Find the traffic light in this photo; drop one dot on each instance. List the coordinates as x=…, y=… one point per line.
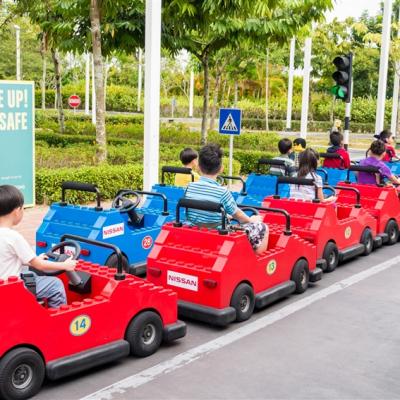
x=343, y=77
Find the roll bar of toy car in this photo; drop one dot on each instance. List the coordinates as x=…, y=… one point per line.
x=119, y=276
x=332, y=156
x=287, y=230
x=174, y=170
x=325, y=173
x=236, y=178
x=354, y=190
x=271, y=162
x=331, y=188
x=81, y=187
x=295, y=181
x=361, y=168
x=163, y=196
x=203, y=206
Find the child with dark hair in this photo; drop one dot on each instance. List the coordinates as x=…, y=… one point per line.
x=15, y=252
x=376, y=153
x=188, y=158
x=208, y=189
x=308, y=164
x=285, y=148
x=336, y=139
x=299, y=145
x=387, y=138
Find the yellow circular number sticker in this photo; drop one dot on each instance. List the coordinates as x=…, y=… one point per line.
x=347, y=232
x=271, y=267
x=80, y=325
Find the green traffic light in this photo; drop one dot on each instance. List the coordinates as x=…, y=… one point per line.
x=339, y=91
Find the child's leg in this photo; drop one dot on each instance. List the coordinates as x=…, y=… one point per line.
x=257, y=234
x=51, y=289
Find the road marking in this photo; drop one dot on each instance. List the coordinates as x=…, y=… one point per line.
x=187, y=357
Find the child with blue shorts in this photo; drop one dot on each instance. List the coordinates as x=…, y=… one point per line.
x=15, y=252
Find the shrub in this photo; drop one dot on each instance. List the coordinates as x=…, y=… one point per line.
x=108, y=178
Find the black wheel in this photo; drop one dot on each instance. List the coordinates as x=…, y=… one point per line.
x=331, y=255
x=392, y=230
x=300, y=276
x=21, y=374
x=368, y=241
x=112, y=262
x=243, y=302
x=144, y=334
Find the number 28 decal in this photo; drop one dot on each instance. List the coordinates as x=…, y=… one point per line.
x=80, y=325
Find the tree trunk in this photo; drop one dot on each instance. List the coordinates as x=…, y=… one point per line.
x=205, y=99
x=43, y=83
x=267, y=92
x=44, y=70
x=59, y=102
x=235, y=93
x=215, y=99
x=101, y=139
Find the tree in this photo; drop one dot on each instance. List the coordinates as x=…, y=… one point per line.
x=84, y=25
x=205, y=27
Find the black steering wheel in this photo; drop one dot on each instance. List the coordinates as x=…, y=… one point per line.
x=123, y=204
x=60, y=257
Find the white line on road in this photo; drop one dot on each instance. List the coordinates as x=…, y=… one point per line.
x=198, y=352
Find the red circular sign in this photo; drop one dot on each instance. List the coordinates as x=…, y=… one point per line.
x=74, y=101
x=147, y=242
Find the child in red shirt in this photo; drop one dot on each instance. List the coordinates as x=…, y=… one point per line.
x=387, y=137
x=336, y=139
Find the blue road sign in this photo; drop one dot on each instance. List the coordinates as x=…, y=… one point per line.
x=230, y=121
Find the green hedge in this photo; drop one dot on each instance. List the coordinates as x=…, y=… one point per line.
x=108, y=178
x=313, y=126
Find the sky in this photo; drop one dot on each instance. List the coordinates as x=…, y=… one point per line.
x=353, y=8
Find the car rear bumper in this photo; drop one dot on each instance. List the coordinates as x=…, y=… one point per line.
x=210, y=315
x=315, y=275
x=174, y=331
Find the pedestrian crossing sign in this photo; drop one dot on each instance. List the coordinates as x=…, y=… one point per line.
x=230, y=120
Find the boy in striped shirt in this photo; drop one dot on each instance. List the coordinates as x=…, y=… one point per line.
x=208, y=189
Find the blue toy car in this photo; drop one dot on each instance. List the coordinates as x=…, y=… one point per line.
x=259, y=186
x=173, y=193
x=333, y=176
x=124, y=225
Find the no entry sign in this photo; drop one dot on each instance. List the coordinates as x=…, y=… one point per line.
x=74, y=101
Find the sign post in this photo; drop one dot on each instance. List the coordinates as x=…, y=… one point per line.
x=17, y=137
x=230, y=122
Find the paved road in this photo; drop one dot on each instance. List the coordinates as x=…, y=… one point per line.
x=339, y=340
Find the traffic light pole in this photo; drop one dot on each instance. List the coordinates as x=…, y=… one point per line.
x=346, y=133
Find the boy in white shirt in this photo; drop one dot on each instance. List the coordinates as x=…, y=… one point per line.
x=15, y=251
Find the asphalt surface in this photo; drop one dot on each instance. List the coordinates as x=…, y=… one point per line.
x=339, y=340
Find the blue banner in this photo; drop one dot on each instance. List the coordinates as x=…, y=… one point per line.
x=17, y=137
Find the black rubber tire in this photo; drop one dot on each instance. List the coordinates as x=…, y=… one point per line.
x=301, y=276
x=112, y=262
x=368, y=241
x=137, y=334
x=331, y=255
x=392, y=230
x=243, y=302
x=22, y=372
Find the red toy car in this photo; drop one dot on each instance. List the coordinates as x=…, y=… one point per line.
x=339, y=231
x=380, y=201
x=217, y=275
x=108, y=316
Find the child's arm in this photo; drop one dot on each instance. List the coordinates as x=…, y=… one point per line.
x=244, y=218
x=394, y=179
x=42, y=265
